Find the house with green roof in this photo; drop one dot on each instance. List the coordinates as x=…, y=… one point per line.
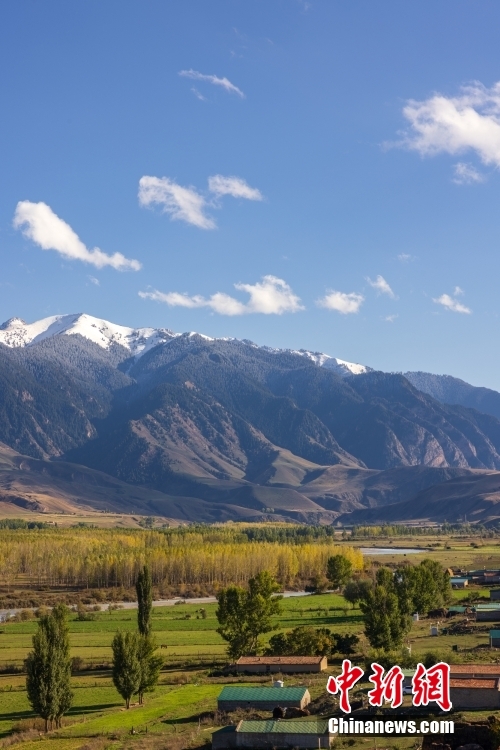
x=281, y=733
x=233, y=697
x=488, y=612
x=494, y=638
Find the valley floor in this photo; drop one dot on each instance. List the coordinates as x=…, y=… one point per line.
x=181, y=713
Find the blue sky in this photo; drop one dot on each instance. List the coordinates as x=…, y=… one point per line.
x=362, y=141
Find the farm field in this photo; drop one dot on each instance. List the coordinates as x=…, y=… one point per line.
x=186, y=690
x=180, y=713
x=187, y=638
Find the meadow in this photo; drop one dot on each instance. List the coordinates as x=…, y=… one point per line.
x=180, y=713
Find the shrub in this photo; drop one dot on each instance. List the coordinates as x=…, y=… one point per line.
x=77, y=664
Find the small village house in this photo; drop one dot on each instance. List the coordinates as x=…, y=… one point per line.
x=457, y=609
x=303, y=733
x=484, y=576
x=233, y=697
x=285, y=664
x=467, y=693
x=474, y=671
x=490, y=577
x=488, y=612
x=495, y=638
x=459, y=583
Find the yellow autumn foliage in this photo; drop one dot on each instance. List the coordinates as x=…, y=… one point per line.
x=112, y=557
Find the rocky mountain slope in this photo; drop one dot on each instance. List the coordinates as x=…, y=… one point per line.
x=225, y=422
x=474, y=498
x=451, y=390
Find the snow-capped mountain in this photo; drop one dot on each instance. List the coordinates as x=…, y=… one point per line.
x=226, y=425
x=340, y=366
x=16, y=332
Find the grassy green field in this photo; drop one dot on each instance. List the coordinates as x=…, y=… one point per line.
x=179, y=714
x=188, y=637
x=173, y=709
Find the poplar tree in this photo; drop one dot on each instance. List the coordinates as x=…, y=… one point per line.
x=150, y=664
x=126, y=665
x=48, y=668
x=385, y=624
x=144, y=588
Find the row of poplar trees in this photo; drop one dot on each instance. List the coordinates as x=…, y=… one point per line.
x=136, y=665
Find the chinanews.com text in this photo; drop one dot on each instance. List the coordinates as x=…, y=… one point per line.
x=393, y=726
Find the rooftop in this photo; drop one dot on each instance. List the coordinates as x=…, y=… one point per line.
x=487, y=606
x=489, y=684
x=494, y=571
x=237, y=693
x=280, y=659
x=493, y=669
x=284, y=726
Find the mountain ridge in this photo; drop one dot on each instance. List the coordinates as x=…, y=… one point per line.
x=235, y=428
x=16, y=332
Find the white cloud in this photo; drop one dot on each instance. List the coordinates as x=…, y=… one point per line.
x=381, y=285
x=450, y=303
x=225, y=83
x=198, y=94
x=235, y=186
x=341, y=302
x=391, y=318
x=466, y=174
x=95, y=281
x=406, y=257
x=40, y=224
x=453, y=125
x=271, y=296
x=184, y=204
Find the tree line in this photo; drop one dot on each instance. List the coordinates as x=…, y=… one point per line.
x=444, y=529
x=105, y=558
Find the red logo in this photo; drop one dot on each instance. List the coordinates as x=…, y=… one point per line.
x=432, y=684
x=388, y=688
x=428, y=685
x=343, y=683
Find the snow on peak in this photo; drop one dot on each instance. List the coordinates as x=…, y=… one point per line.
x=12, y=323
x=340, y=366
x=15, y=332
